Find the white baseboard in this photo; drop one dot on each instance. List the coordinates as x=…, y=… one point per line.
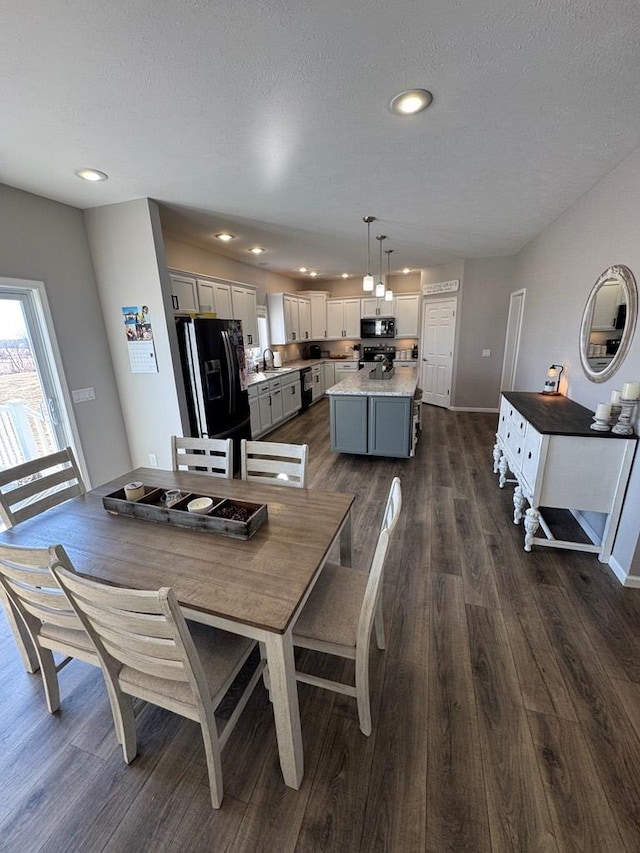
x=631, y=581
x=472, y=409
x=621, y=574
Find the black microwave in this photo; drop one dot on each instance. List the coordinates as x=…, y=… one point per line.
x=378, y=327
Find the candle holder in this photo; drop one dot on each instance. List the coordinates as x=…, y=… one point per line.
x=616, y=408
x=625, y=418
x=600, y=424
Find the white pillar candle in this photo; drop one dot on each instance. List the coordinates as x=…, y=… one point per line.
x=615, y=398
x=603, y=411
x=631, y=390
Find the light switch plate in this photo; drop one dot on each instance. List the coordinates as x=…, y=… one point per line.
x=486, y=353
x=81, y=395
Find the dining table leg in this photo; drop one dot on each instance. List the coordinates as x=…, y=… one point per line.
x=286, y=711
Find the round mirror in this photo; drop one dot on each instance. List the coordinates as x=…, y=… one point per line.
x=608, y=323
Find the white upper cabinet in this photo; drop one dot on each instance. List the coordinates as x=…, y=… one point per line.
x=243, y=303
x=318, y=304
x=343, y=318
x=407, y=314
x=222, y=301
x=304, y=319
x=284, y=318
x=184, y=293
x=372, y=306
x=206, y=296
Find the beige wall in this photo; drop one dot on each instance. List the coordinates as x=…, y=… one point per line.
x=558, y=269
x=42, y=240
x=183, y=256
x=128, y=256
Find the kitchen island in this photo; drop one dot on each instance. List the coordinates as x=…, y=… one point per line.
x=373, y=416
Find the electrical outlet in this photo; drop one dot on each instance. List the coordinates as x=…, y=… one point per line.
x=153, y=460
x=486, y=353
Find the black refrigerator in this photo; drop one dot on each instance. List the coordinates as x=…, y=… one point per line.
x=213, y=367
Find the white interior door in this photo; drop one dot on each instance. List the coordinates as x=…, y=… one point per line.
x=438, y=341
x=512, y=341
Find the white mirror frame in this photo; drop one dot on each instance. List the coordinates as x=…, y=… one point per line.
x=625, y=277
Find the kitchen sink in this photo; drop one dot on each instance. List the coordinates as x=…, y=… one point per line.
x=277, y=371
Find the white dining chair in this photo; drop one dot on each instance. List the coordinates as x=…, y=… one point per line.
x=340, y=613
x=32, y=487
x=45, y=613
x=211, y=455
x=273, y=463
x=148, y=651
x=26, y=490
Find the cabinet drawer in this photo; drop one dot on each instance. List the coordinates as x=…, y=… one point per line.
x=531, y=456
x=519, y=423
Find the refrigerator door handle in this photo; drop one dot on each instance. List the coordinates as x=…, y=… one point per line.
x=230, y=371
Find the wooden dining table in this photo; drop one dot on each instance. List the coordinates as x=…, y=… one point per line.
x=254, y=587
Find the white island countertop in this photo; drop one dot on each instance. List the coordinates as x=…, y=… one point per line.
x=402, y=384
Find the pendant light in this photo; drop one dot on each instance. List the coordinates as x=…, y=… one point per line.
x=367, y=281
x=380, y=284
x=388, y=294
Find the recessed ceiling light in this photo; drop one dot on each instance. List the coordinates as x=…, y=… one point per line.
x=406, y=270
x=313, y=273
x=225, y=237
x=345, y=275
x=411, y=102
x=256, y=250
x=303, y=269
x=91, y=175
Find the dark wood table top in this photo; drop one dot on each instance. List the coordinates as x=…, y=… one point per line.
x=260, y=581
x=555, y=414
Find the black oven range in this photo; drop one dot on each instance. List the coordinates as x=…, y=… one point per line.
x=369, y=355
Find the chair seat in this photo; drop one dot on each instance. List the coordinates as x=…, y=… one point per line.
x=332, y=610
x=221, y=655
x=74, y=641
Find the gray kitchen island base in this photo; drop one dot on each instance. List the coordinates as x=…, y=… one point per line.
x=373, y=418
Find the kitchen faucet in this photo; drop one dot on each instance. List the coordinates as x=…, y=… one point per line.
x=264, y=357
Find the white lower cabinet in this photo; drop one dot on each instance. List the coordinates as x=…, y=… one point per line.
x=317, y=389
x=274, y=401
x=291, y=395
x=264, y=405
x=254, y=410
x=329, y=374
x=557, y=461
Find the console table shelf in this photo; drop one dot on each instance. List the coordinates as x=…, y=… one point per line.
x=558, y=461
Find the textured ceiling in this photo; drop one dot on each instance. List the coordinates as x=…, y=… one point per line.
x=270, y=119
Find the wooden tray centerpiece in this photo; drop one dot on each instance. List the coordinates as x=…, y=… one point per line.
x=235, y=518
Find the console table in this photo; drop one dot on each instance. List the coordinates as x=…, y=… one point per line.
x=558, y=461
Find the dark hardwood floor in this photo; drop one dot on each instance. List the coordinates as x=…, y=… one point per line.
x=506, y=708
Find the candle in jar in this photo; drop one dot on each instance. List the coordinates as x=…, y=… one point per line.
x=615, y=398
x=631, y=390
x=603, y=411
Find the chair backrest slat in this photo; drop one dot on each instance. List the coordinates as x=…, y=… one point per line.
x=32, y=589
x=36, y=486
x=211, y=455
x=112, y=618
x=274, y=463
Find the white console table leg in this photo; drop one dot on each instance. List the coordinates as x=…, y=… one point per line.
x=503, y=467
x=531, y=524
x=519, y=503
x=497, y=453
